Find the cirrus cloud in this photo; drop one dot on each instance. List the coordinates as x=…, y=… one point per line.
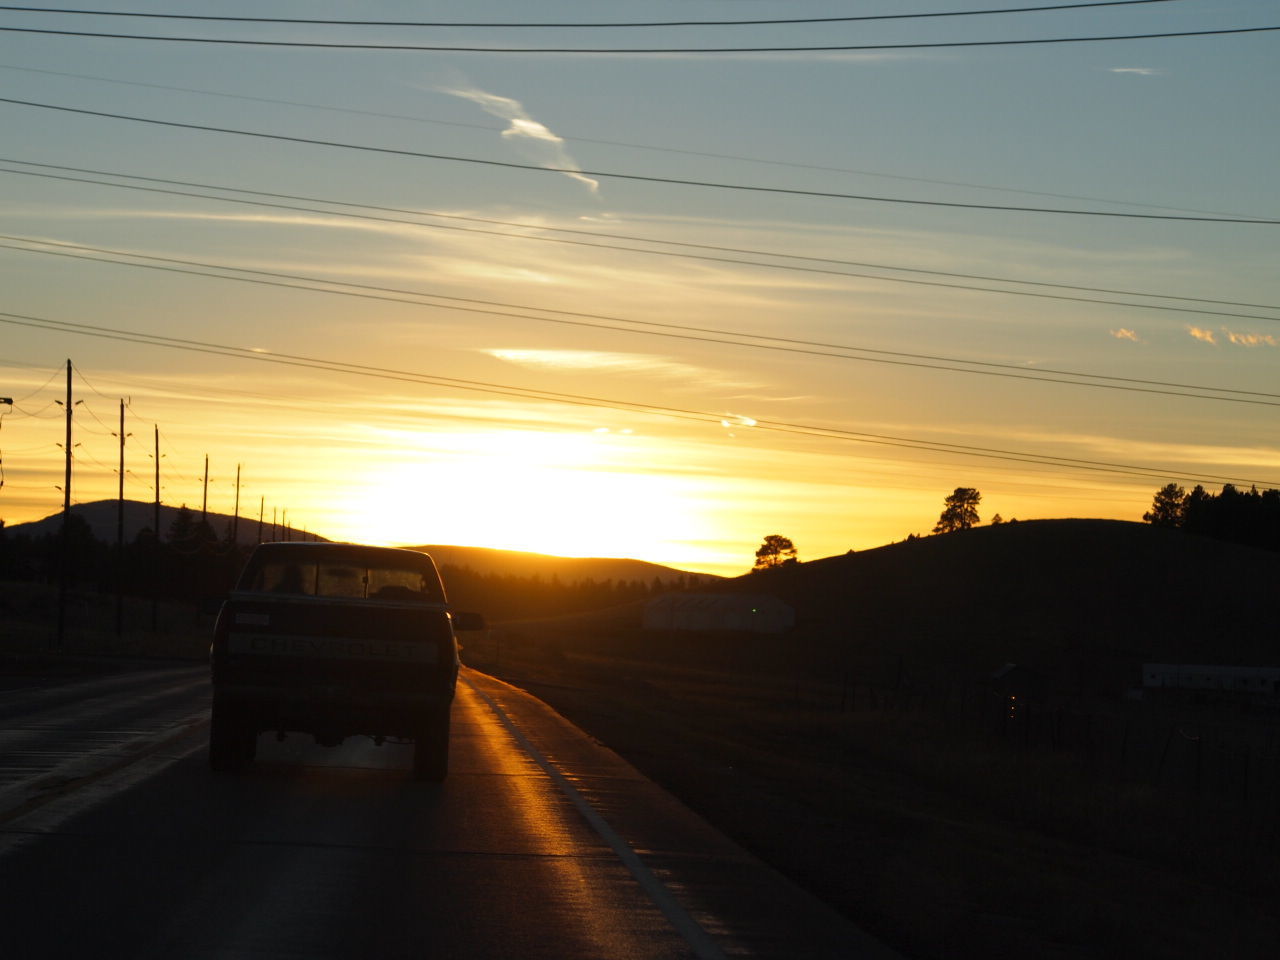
x=1235, y=337
x=1252, y=339
x=612, y=362
x=532, y=138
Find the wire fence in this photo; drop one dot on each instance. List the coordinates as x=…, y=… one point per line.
x=1211, y=759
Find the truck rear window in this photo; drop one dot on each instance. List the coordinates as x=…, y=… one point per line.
x=316, y=578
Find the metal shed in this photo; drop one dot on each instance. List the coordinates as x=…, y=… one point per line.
x=751, y=612
x=1202, y=676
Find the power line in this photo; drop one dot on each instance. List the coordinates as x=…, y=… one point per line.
x=638, y=51
x=641, y=178
x=671, y=331
x=197, y=346
x=39, y=447
x=614, y=143
x=385, y=373
x=617, y=236
x=572, y=25
x=57, y=372
x=38, y=415
x=85, y=381
x=106, y=431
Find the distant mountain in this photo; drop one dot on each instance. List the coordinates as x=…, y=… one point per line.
x=486, y=560
x=101, y=516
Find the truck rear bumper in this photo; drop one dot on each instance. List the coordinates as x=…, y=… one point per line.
x=330, y=713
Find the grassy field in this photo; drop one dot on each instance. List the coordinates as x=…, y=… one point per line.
x=29, y=615
x=920, y=824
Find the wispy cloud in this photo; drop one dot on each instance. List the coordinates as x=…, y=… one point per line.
x=1140, y=71
x=615, y=363
x=597, y=360
x=1124, y=333
x=1252, y=339
x=1235, y=337
x=532, y=138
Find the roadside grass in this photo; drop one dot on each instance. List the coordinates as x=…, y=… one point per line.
x=923, y=828
x=29, y=617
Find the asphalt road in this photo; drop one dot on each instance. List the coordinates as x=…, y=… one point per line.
x=116, y=841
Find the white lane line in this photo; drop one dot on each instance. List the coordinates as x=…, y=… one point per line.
x=702, y=943
x=48, y=813
x=72, y=772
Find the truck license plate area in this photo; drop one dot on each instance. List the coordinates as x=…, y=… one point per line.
x=331, y=648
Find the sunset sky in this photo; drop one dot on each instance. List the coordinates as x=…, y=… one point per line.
x=402, y=348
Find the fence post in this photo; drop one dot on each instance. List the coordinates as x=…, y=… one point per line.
x=1199, y=741
x=1124, y=749
x=1164, y=753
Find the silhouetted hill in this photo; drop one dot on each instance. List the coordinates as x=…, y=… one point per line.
x=101, y=517
x=513, y=563
x=1082, y=600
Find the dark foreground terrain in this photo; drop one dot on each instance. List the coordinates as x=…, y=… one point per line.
x=867, y=756
x=930, y=830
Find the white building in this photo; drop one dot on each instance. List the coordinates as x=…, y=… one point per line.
x=1197, y=676
x=751, y=612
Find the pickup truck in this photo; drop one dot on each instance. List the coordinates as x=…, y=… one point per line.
x=335, y=640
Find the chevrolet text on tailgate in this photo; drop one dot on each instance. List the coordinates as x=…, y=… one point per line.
x=335, y=640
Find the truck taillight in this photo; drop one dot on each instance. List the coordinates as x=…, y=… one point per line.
x=218, y=649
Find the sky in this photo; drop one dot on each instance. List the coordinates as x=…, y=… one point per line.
x=651, y=305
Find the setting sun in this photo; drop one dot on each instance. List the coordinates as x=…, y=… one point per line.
x=574, y=494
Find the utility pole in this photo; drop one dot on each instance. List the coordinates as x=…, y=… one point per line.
x=155, y=554
x=262, y=505
x=204, y=501
x=235, y=517
x=65, y=551
x=156, y=518
x=120, y=533
x=4, y=401
x=273, y=525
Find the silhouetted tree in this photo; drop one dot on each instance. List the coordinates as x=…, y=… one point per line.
x=204, y=534
x=1169, y=506
x=75, y=546
x=183, y=526
x=774, y=552
x=960, y=511
x=1251, y=518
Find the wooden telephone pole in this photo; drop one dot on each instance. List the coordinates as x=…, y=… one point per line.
x=235, y=517
x=204, y=500
x=4, y=401
x=120, y=533
x=155, y=562
x=64, y=552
